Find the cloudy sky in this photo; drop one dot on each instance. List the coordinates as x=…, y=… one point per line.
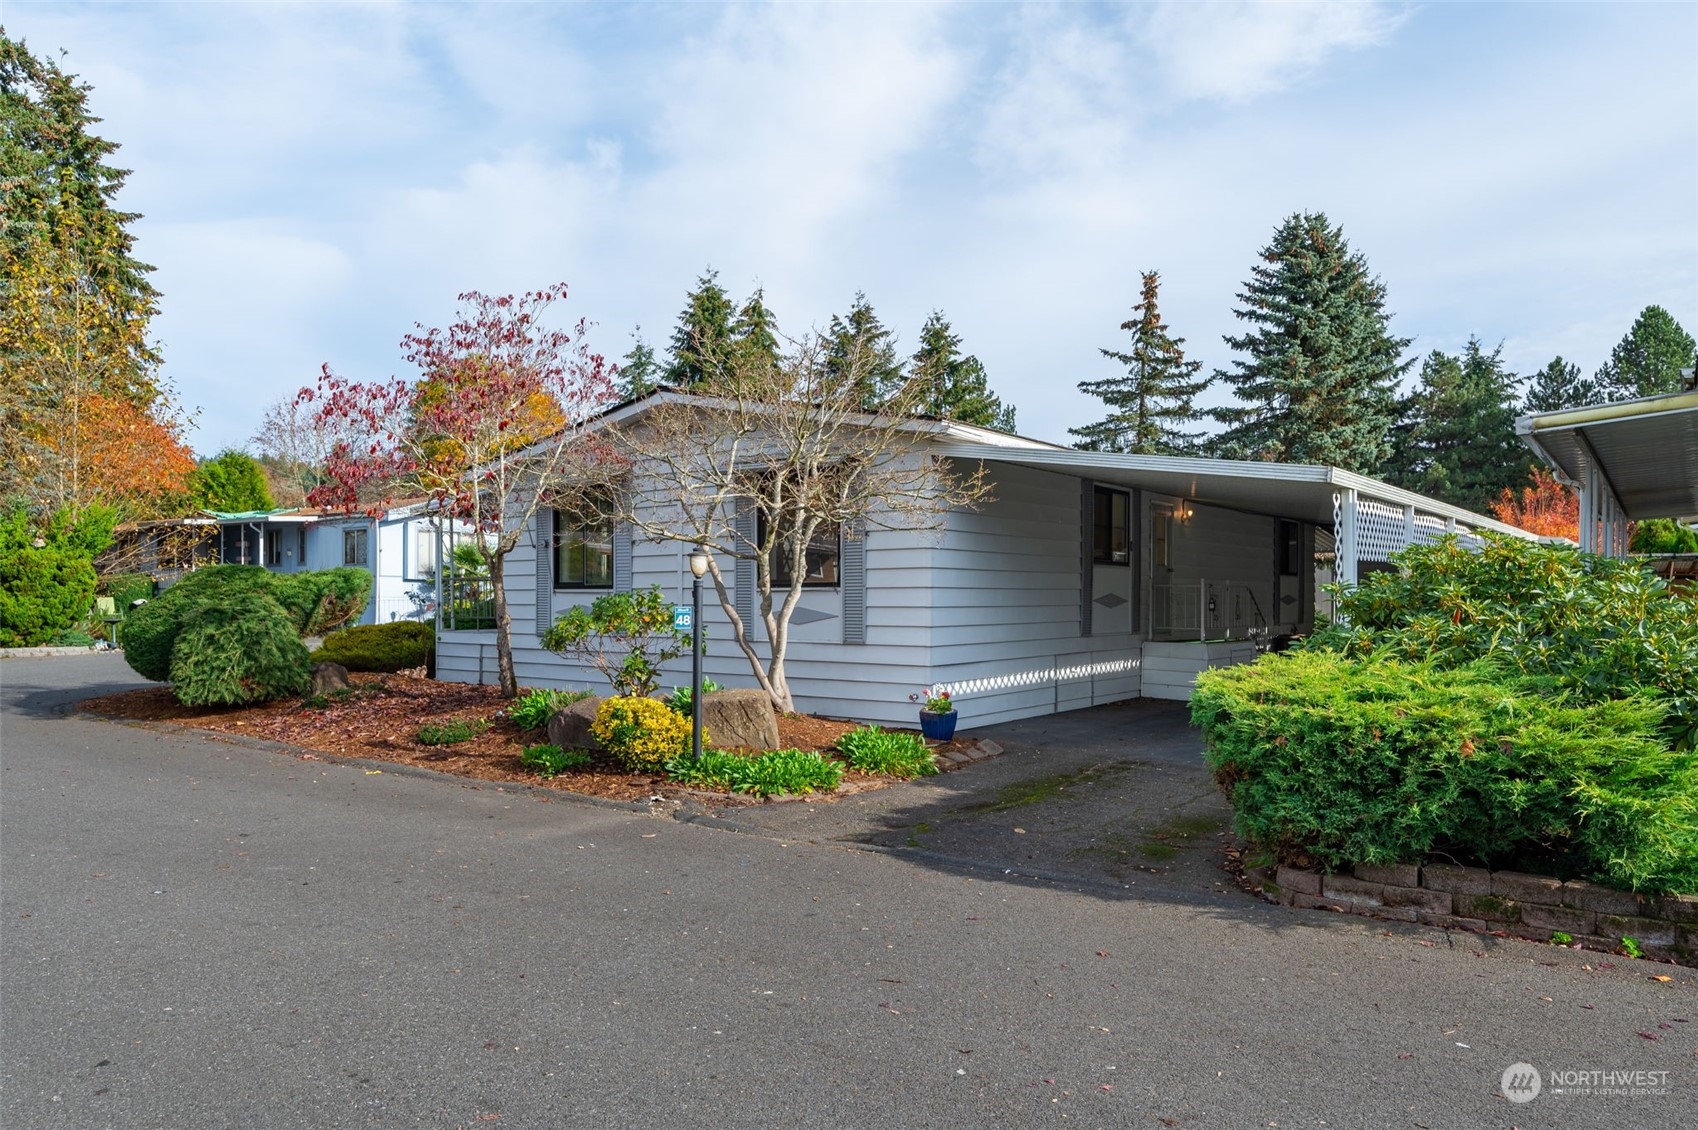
x=316, y=178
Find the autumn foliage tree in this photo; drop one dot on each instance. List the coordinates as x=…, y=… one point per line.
x=1546, y=508
x=486, y=432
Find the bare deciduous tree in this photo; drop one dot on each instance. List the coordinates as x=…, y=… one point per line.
x=788, y=440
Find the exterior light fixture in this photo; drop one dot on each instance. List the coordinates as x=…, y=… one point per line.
x=698, y=569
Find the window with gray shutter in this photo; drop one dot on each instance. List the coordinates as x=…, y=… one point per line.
x=853, y=571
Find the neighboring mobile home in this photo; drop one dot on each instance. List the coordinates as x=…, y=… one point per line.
x=1090, y=578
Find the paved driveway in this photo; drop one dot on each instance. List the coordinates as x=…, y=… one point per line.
x=198, y=934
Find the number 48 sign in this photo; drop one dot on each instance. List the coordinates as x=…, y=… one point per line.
x=681, y=618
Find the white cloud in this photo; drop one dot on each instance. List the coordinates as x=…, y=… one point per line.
x=1234, y=52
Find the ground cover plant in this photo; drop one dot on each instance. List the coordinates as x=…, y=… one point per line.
x=452, y=732
x=1331, y=761
x=641, y=734
x=550, y=760
x=399, y=645
x=774, y=773
x=895, y=753
x=533, y=709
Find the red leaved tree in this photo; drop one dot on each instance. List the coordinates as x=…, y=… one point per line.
x=1546, y=508
x=488, y=431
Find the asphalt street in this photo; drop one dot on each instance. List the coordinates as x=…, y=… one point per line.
x=198, y=934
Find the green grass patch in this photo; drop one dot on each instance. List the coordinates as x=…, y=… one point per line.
x=550, y=760
x=774, y=773
x=896, y=754
x=452, y=732
x=533, y=709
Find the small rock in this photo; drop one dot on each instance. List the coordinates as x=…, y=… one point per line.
x=327, y=677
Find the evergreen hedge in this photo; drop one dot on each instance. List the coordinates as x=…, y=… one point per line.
x=245, y=649
x=395, y=646
x=1333, y=761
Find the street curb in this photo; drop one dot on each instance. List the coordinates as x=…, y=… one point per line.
x=50, y=652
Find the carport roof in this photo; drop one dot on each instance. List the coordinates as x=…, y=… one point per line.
x=1302, y=492
x=1647, y=450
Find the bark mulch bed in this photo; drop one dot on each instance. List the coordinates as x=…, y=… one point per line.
x=379, y=720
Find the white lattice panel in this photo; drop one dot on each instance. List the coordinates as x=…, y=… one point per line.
x=1381, y=529
x=1428, y=528
x=1039, y=676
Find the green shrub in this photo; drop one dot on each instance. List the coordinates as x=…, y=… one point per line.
x=533, y=709
x=642, y=734
x=898, y=754
x=241, y=651
x=772, y=773
x=624, y=635
x=682, y=699
x=47, y=589
x=1335, y=761
x=71, y=637
x=396, y=646
x=452, y=732
x=551, y=760
x=1663, y=535
x=306, y=600
x=1598, y=627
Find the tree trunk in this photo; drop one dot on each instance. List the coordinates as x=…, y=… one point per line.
x=503, y=626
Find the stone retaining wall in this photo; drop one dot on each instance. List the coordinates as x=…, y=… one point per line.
x=1523, y=906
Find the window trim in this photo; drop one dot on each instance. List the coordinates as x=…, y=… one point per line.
x=560, y=528
x=361, y=536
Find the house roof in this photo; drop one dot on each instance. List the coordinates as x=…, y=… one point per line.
x=1647, y=450
x=1301, y=492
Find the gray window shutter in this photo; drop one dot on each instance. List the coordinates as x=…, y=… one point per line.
x=545, y=569
x=1087, y=528
x=743, y=573
x=852, y=575
x=624, y=546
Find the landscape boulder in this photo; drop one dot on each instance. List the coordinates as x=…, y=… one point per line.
x=327, y=677
x=740, y=719
x=570, y=728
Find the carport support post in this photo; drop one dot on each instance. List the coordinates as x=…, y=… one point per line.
x=1345, y=541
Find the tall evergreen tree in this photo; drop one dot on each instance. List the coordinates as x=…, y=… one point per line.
x=702, y=340
x=1456, y=440
x=1559, y=385
x=639, y=372
x=956, y=387
x=858, y=343
x=231, y=482
x=754, y=333
x=1154, y=400
x=1649, y=359
x=1318, y=384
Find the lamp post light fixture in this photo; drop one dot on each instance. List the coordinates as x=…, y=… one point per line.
x=698, y=567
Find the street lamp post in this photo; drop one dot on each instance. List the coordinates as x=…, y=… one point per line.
x=698, y=567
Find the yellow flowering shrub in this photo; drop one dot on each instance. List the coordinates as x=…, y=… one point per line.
x=642, y=734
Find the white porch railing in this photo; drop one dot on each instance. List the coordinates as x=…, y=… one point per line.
x=393, y=608
x=1210, y=610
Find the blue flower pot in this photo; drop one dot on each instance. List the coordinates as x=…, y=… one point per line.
x=938, y=727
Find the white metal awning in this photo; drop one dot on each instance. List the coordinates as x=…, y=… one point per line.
x=1301, y=492
x=1645, y=450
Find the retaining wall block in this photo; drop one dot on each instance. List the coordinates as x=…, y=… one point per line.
x=1605, y=900
x=1493, y=908
x=1568, y=919
x=1527, y=888
x=1646, y=931
x=1315, y=902
x=1392, y=875
x=1457, y=880
x=1676, y=908
x=1353, y=890
x=1296, y=879
x=1434, y=902
x=1450, y=921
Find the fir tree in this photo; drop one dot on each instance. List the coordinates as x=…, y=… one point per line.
x=956, y=387
x=1649, y=359
x=639, y=372
x=754, y=334
x=1151, y=403
x=1456, y=441
x=231, y=482
x=857, y=343
x=1319, y=381
x=702, y=341
x=1559, y=385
